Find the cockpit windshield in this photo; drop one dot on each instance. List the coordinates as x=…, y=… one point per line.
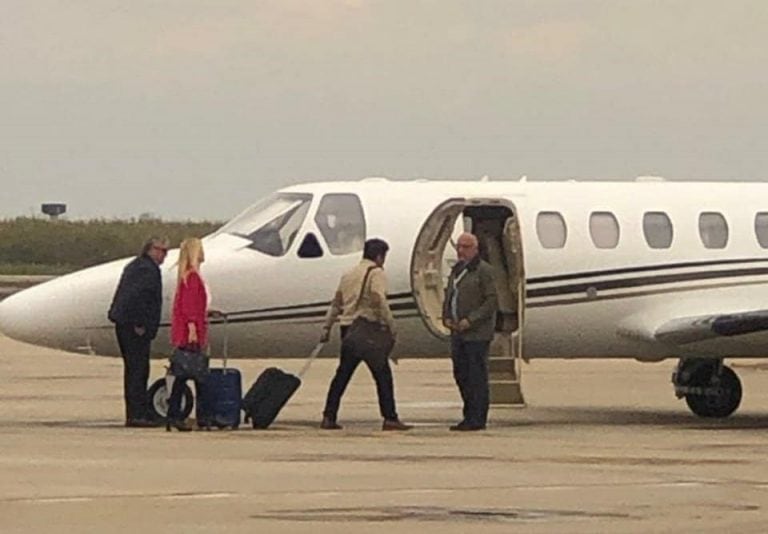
x=272, y=224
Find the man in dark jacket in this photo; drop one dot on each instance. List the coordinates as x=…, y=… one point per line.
x=469, y=311
x=135, y=310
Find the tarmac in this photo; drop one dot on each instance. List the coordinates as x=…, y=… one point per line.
x=603, y=446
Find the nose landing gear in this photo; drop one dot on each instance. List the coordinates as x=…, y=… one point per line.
x=158, y=400
x=710, y=388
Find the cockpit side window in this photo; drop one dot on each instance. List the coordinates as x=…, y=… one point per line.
x=272, y=225
x=341, y=220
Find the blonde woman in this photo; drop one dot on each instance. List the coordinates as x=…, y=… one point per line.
x=189, y=324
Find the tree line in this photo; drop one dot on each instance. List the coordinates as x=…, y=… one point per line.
x=30, y=245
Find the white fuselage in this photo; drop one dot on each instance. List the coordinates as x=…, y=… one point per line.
x=579, y=300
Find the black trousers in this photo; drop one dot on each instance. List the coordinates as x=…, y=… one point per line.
x=470, y=370
x=135, y=351
x=382, y=375
x=174, y=401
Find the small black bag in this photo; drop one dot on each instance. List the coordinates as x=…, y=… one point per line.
x=369, y=340
x=189, y=363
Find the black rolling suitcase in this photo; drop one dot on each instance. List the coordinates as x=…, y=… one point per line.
x=218, y=400
x=271, y=391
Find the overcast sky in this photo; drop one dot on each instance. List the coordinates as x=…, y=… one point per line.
x=193, y=109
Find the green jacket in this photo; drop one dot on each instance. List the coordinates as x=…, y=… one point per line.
x=476, y=300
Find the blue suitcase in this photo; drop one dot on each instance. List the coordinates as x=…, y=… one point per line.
x=219, y=397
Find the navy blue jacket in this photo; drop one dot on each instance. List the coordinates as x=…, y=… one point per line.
x=139, y=296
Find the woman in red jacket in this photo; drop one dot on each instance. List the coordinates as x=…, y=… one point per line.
x=189, y=323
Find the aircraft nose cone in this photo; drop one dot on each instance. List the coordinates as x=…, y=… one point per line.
x=17, y=320
x=68, y=312
x=5, y=317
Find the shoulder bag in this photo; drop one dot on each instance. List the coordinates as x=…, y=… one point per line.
x=369, y=340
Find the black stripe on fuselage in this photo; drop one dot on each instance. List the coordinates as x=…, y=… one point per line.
x=635, y=282
x=324, y=305
x=633, y=294
x=642, y=268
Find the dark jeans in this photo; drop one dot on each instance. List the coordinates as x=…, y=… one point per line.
x=470, y=370
x=174, y=401
x=382, y=374
x=135, y=351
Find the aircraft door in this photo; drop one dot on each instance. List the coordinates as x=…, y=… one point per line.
x=496, y=226
x=495, y=223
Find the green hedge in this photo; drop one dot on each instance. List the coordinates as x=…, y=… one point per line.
x=38, y=246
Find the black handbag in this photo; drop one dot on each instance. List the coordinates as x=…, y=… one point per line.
x=188, y=362
x=369, y=340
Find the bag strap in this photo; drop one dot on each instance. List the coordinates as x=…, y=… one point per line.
x=362, y=288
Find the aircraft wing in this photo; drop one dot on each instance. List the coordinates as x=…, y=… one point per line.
x=700, y=328
x=696, y=328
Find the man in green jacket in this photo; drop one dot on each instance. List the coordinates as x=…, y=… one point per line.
x=469, y=311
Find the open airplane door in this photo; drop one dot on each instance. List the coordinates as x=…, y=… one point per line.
x=495, y=223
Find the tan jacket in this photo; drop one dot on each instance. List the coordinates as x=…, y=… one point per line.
x=373, y=305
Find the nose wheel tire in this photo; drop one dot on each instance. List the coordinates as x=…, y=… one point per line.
x=158, y=400
x=721, y=404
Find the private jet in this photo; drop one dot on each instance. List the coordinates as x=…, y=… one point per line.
x=648, y=269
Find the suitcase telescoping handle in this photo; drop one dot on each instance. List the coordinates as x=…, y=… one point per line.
x=312, y=355
x=225, y=343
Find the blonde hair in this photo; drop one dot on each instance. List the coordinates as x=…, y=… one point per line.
x=190, y=257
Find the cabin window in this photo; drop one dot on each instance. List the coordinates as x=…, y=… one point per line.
x=551, y=229
x=761, y=229
x=657, y=229
x=713, y=230
x=604, y=229
x=310, y=247
x=271, y=225
x=341, y=221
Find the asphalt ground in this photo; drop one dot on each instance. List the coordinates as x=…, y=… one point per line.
x=603, y=446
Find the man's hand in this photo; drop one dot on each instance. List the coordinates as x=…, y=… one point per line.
x=394, y=359
x=140, y=330
x=448, y=323
x=463, y=325
x=325, y=336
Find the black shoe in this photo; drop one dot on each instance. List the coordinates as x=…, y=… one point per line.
x=330, y=424
x=466, y=427
x=140, y=423
x=181, y=426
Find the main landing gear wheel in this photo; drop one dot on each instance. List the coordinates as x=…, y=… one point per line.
x=158, y=401
x=722, y=397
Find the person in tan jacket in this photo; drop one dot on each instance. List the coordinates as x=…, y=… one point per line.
x=362, y=293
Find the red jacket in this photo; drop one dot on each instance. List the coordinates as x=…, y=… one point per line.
x=190, y=305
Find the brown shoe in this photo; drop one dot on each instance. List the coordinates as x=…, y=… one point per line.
x=330, y=424
x=395, y=424
x=466, y=427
